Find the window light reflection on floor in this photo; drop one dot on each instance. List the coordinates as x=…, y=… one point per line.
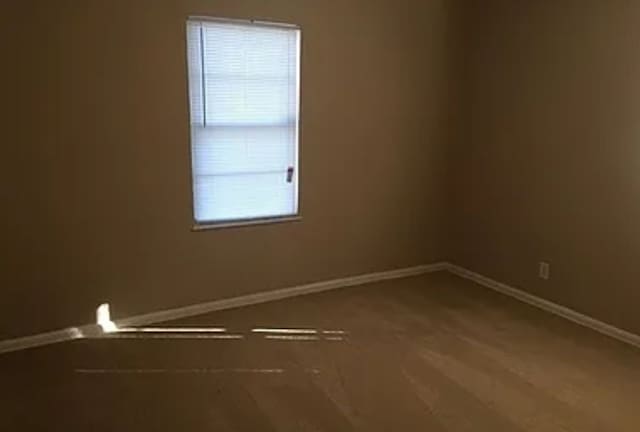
x=103, y=317
x=110, y=329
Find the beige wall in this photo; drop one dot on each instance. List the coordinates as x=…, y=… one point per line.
x=549, y=167
x=97, y=196
x=522, y=149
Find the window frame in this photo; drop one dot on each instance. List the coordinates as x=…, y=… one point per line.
x=263, y=220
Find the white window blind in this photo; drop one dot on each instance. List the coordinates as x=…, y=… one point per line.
x=244, y=91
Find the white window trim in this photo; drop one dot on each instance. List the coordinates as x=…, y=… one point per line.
x=257, y=22
x=297, y=217
x=245, y=223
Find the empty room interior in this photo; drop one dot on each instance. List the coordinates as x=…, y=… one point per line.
x=305, y=215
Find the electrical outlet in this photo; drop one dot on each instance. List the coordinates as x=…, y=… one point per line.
x=543, y=270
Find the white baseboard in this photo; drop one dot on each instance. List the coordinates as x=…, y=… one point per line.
x=262, y=297
x=93, y=330
x=546, y=305
x=48, y=338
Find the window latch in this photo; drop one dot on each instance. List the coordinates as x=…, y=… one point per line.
x=289, y=174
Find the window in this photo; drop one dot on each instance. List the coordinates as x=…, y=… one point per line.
x=244, y=99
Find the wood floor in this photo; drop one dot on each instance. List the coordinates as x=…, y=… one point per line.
x=429, y=353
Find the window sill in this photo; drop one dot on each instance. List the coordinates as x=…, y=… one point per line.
x=244, y=223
